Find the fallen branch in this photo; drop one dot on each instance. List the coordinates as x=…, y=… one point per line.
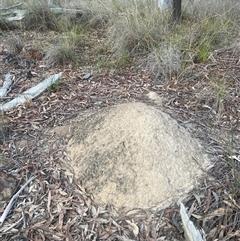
x=11, y=7
x=13, y=225
x=6, y=84
x=15, y=18
x=10, y=204
x=65, y=10
x=191, y=233
x=32, y=92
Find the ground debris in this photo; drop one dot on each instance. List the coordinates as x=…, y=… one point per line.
x=57, y=207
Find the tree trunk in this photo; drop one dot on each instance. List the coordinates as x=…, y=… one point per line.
x=177, y=5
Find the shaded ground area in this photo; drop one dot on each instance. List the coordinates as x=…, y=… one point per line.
x=55, y=206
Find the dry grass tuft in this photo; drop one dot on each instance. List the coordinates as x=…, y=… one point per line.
x=62, y=53
x=4, y=130
x=65, y=50
x=40, y=17
x=139, y=27
x=164, y=63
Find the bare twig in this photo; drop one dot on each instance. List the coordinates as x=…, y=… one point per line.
x=11, y=7
x=13, y=225
x=10, y=204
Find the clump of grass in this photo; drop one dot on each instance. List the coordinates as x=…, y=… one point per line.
x=103, y=61
x=4, y=130
x=204, y=50
x=65, y=50
x=61, y=53
x=164, y=62
x=220, y=90
x=194, y=40
x=202, y=9
x=124, y=59
x=208, y=35
x=94, y=13
x=15, y=44
x=139, y=27
x=40, y=17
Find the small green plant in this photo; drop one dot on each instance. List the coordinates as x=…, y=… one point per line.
x=75, y=33
x=204, y=50
x=124, y=59
x=103, y=61
x=221, y=91
x=54, y=87
x=209, y=37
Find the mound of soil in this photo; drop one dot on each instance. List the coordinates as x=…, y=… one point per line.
x=134, y=155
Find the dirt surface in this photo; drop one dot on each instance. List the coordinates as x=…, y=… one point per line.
x=133, y=155
x=56, y=206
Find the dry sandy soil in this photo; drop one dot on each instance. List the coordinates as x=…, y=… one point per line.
x=56, y=206
x=133, y=155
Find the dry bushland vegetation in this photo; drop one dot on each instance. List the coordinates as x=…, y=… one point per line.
x=193, y=63
x=138, y=28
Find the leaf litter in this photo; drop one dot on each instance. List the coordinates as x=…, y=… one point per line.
x=55, y=206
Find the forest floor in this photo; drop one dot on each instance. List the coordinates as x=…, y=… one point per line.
x=57, y=207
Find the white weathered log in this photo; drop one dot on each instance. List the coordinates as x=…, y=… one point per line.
x=32, y=92
x=65, y=10
x=6, y=84
x=15, y=17
x=11, y=7
x=165, y=4
x=191, y=233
